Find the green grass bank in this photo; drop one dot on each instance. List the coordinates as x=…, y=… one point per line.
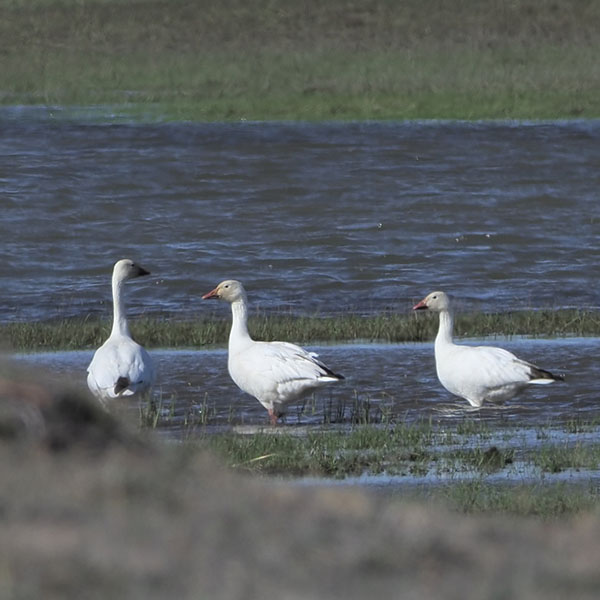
x=374, y=59
x=80, y=334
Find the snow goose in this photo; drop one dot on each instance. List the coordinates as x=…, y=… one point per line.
x=121, y=367
x=477, y=373
x=275, y=373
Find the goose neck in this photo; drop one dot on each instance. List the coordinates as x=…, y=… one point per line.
x=120, y=325
x=239, y=325
x=444, y=335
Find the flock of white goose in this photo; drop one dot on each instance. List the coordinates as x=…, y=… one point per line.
x=278, y=373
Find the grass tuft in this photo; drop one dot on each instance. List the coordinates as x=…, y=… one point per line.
x=577, y=456
x=547, y=501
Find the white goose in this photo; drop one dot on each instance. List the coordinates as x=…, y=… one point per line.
x=275, y=373
x=478, y=373
x=121, y=367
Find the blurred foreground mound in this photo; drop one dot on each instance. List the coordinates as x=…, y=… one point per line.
x=45, y=411
x=91, y=510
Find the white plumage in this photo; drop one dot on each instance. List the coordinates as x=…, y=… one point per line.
x=121, y=367
x=477, y=373
x=275, y=373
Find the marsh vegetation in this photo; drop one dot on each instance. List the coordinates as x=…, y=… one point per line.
x=424, y=452
x=469, y=464
x=82, y=333
x=160, y=59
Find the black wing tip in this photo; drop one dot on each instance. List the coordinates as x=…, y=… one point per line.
x=333, y=374
x=537, y=373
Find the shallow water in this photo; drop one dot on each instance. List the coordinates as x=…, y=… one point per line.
x=392, y=381
x=515, y=474
x=312, y=217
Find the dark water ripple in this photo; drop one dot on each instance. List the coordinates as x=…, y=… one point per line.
x=396, y=381
x=312, y=217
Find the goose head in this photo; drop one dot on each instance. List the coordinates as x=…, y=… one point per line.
x=436, y=301
x=126, y=269
x=229, y=290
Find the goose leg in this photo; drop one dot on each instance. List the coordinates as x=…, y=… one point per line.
x=272, y=417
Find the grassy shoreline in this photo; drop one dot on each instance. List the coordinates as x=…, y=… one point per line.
x=177, y=60
x=81, y=333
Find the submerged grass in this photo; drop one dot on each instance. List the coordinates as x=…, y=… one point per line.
x=77, y=334
x=457, y=464
x=398, y=450
x=394, y=448
x=418, y=450
x=375, y=59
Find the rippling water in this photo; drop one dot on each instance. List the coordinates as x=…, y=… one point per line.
x=397, y=381
x=312, y=217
